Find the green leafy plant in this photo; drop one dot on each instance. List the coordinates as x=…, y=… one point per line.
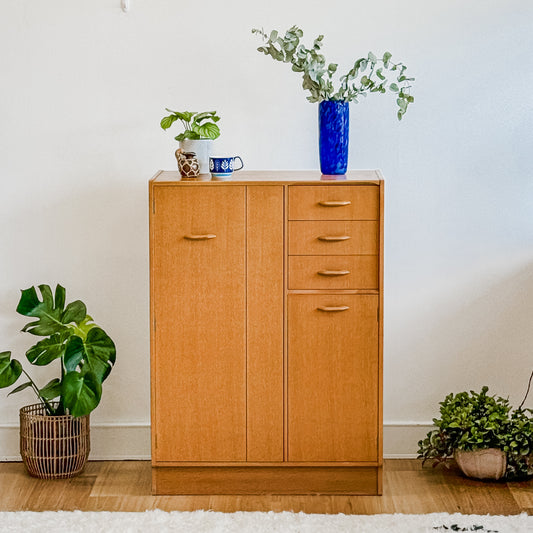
x=476, y=421
x=368, y=75
x=85, y=352
x=196, y=125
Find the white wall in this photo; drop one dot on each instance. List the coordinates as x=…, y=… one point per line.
x=84, y=85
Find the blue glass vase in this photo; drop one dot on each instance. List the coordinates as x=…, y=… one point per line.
x=334, y=132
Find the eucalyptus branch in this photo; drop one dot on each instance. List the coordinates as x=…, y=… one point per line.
x=318, y=79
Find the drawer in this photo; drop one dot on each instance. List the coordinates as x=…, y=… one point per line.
x=333, y=272
x=333, y=202
x=333, y=237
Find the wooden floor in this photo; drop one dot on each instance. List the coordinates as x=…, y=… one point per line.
x=125, y=486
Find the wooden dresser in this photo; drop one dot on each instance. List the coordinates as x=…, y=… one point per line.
x=266, y=333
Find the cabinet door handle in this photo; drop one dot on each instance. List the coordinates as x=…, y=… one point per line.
x=333, y=238
x=333, y=272
x=333, y=309
x=334, y=203
x=205, y=237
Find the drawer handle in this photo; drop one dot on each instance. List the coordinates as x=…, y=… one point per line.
x=205, y=237
x=333, y=309
x=333, y=238
x=334, y=203
x=333, y=272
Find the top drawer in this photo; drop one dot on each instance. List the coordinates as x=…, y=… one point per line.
x=333, y=202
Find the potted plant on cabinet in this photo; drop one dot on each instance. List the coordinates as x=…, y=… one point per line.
x=199, y=131
x=55, y=439
x=487, y=438
x=368, y=75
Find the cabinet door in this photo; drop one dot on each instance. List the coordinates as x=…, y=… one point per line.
x=199, y=305
x=333, y=377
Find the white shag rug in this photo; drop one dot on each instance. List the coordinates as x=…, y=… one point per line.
x=256, y=522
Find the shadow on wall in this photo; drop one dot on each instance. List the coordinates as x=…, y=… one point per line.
x=485, y=340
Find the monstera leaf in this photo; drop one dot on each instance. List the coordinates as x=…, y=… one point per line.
x=51, y=390
x=10, y=370
x=96, y=353
x=81, y=392
x=85, y=352
x=51, y=313
x=48, y=349
x=100, y=353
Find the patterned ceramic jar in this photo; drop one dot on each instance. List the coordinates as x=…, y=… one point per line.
x=188, y=164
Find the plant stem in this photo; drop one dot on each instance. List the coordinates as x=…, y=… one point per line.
x=48, y=407
x=527, y=392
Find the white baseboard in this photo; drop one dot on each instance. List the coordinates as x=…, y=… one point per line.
x=400, y=439
x=131, y=441
x=109, y=442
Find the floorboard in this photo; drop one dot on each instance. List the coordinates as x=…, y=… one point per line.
x=125, y=486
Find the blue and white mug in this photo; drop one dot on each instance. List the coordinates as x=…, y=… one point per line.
x=223, y=167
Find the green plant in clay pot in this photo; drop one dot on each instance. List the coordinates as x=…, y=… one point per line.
x=84, y=354
x=200, y=129
x=475, y=428
x=369, y=74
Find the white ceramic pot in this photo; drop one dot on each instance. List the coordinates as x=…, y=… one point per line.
x=202, y=149
x=482, y=464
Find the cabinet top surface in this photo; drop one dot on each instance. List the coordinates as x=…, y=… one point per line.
x=362, y=177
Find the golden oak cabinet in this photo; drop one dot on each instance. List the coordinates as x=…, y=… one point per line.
x=266, y=297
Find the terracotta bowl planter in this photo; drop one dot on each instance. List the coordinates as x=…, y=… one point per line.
x=482, y=464
x=53, y=447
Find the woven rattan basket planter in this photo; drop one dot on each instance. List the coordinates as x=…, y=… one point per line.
x=53, y=447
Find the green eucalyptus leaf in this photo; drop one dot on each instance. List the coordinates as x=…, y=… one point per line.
x=81, y=392
x=10, y=370
x=317, y=74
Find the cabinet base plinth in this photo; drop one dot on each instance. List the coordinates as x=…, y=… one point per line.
x=173, y=480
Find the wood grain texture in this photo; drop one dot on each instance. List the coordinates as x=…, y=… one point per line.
x=125, y=486
x=380, y=313
x=265, y=480
x=199, y=298
x=239, y=375
x=267, y=177
x=304, y=237
x=333, y=272
x=333, y=378
x=264, y=369
x=318, y=202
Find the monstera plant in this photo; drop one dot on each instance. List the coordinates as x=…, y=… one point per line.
x=84, y=353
